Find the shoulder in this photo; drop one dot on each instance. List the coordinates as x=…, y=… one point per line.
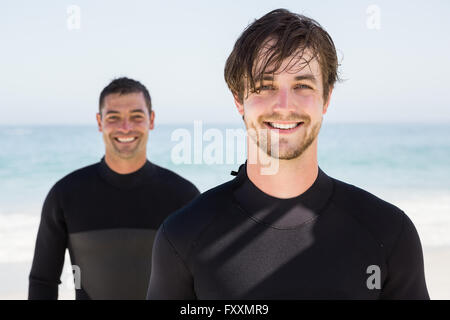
x=173, y=181
x=73, y=183
x=382, y=219
x=76, y=179
x=186, y=224
x=360, y=199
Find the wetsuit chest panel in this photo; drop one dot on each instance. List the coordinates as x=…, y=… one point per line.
x=324, y=259
x=114, y=263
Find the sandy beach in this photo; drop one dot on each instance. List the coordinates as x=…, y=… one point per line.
x=437, y=275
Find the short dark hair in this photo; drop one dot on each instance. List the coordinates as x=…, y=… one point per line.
x=125, y=86
x=293, y=34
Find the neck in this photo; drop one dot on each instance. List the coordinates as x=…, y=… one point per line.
x=290, y=178
x=125, y=166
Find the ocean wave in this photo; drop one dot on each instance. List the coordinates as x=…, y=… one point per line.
x=17, y=131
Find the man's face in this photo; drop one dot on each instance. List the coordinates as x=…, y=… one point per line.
x=125, y=122
x=289, y=104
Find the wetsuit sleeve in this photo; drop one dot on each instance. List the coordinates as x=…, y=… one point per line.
x=406, y=275
x=170, y=278
x=49, y=251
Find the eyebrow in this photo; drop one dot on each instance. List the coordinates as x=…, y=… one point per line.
x=132, y=111
x=137, y=110
x=111, y=111
x=310, y=77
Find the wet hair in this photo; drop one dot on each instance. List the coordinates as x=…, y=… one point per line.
x=270, y=40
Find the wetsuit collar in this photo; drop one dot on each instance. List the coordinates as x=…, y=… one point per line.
x=126, y=181
x=282, y=213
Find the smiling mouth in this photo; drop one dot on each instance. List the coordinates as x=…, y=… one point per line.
x=125, y=140
x=283, y=127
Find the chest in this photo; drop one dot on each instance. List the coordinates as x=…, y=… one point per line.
x=320, y=260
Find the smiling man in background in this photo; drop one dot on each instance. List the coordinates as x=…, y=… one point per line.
x=107, y=214
x=296, y=233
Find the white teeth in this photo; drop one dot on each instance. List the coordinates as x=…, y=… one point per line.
x=126, y=139
x=283, y=126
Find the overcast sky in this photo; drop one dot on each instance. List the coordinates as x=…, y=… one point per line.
x=52, y=72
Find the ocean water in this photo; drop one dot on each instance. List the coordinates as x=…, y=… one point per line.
x=405, y=164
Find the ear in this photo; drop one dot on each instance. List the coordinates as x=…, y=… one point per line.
x=99, y=121
x=325, y=106
x=239, y=105
x=152, y=120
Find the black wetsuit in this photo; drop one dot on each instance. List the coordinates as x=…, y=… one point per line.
x=236, y=242
x=108, y=222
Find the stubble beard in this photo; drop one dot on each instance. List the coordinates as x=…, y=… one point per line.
x=126, y=154
x=264, y=139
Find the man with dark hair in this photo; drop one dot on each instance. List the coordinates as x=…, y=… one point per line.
x=284, y=229
x=107, y=214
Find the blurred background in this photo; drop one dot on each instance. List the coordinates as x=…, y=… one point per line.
x=387, y=129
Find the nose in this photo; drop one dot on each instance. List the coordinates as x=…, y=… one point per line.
x=283, y=101
x=125, y=125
